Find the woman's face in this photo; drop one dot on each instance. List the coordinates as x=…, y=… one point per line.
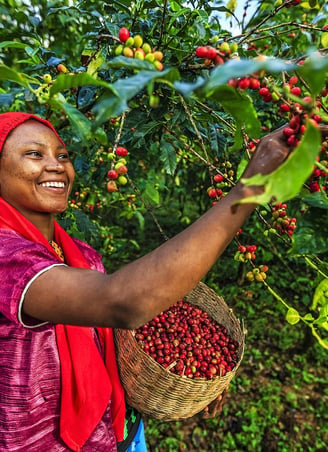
x=36, y=175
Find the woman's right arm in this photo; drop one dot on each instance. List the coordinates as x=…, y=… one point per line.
x=134, y=294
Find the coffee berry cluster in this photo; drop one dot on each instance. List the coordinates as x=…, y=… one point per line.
x=135, y=47
x=280, y=220
x=318, y=179
x=245, y=253
x=117, y=173
x=257, y=273
x=216, y=55
x=186, y=341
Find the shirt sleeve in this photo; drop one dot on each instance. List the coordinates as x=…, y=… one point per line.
x=21, y=262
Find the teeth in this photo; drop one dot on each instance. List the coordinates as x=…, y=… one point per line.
x=53, y=184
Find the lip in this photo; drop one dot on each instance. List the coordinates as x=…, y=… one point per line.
x=54, y=185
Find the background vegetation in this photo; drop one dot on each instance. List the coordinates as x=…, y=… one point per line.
x=182, y=125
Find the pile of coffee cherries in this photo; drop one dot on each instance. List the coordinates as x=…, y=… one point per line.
x=186, y=341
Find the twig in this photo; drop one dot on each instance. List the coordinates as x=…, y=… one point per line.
x=199, y=137
x=161, y=31
x=269, y=16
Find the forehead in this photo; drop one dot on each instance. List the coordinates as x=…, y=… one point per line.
x=30, y=128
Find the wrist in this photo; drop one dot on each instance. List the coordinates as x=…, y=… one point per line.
x=243, y=191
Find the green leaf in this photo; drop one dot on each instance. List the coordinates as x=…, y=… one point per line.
x=81, y=125
x=320, y=297
x=109, y=106
x=311, y=233
x=314, y=72
x=324, y=40
x=308, y=317
x=317, y=199
x=187, y=88
x=323, y=342
x=95, y=63
x=68, y=81
x=13, y=44
x=151, y=192
x=324, y=310
x=213, y=139
x=131, y=63
x=240, y=106
x=292, y=316
x=286, y=182
x=168, y=157
x=6, y=73
x=86, y=226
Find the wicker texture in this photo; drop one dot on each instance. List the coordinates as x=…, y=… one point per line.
x=159, y=393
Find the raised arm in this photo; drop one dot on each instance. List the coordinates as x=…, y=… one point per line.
x=140, y=290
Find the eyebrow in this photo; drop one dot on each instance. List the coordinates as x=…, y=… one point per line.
x=43, y=145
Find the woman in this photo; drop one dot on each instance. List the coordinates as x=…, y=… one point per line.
x=59, y=387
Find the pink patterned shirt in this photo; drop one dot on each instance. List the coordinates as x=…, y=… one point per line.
x=29, y=361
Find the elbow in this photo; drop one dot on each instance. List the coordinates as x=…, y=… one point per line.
x=129, y=317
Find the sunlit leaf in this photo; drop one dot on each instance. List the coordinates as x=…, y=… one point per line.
x=292, y=316
x=22, y=79
x=286, y=182
x=109, y=106
x=68, y=81
x=241, y=108
x=320, y=296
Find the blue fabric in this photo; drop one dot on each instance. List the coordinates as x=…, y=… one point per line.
x=138, y=443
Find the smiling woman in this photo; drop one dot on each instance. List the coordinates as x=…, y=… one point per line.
x=60, y=388
x=36, y=176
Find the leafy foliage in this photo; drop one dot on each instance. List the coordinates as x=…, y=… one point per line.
x=182, y=126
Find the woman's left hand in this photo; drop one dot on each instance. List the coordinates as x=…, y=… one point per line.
x=214, y=408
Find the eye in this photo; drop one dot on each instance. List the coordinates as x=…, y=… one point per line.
x=63, y=156
x=34, y=153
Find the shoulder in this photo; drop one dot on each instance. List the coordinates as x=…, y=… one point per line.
x=13, y=243
x=93, y=257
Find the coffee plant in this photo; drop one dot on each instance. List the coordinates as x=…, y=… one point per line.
x=162, y=105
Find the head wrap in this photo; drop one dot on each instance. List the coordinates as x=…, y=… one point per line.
x=88, y=382
x=10, y=120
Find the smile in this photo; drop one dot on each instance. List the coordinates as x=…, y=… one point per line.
x=53, y=184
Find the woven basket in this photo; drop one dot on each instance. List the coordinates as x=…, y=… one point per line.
x=157, y=392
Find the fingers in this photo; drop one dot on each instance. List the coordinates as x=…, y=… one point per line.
x=324, y=129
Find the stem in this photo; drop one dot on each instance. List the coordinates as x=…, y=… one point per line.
x=119, y=133
x=162, y=24
x=268, y=17
x=316, y=335
x=199, y=137
x=217, y=116
x=315, y=267
x=275, y=294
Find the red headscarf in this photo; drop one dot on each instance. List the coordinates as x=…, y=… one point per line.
x=88, y=384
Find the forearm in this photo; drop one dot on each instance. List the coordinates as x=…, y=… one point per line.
x=161, y=277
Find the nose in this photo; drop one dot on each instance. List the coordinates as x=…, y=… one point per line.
x=52, y=164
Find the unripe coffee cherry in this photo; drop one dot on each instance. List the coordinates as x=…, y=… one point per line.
x=47, y=78
x=128, y=52
x=129, y=42
x=138, y=41
x=122, y=180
